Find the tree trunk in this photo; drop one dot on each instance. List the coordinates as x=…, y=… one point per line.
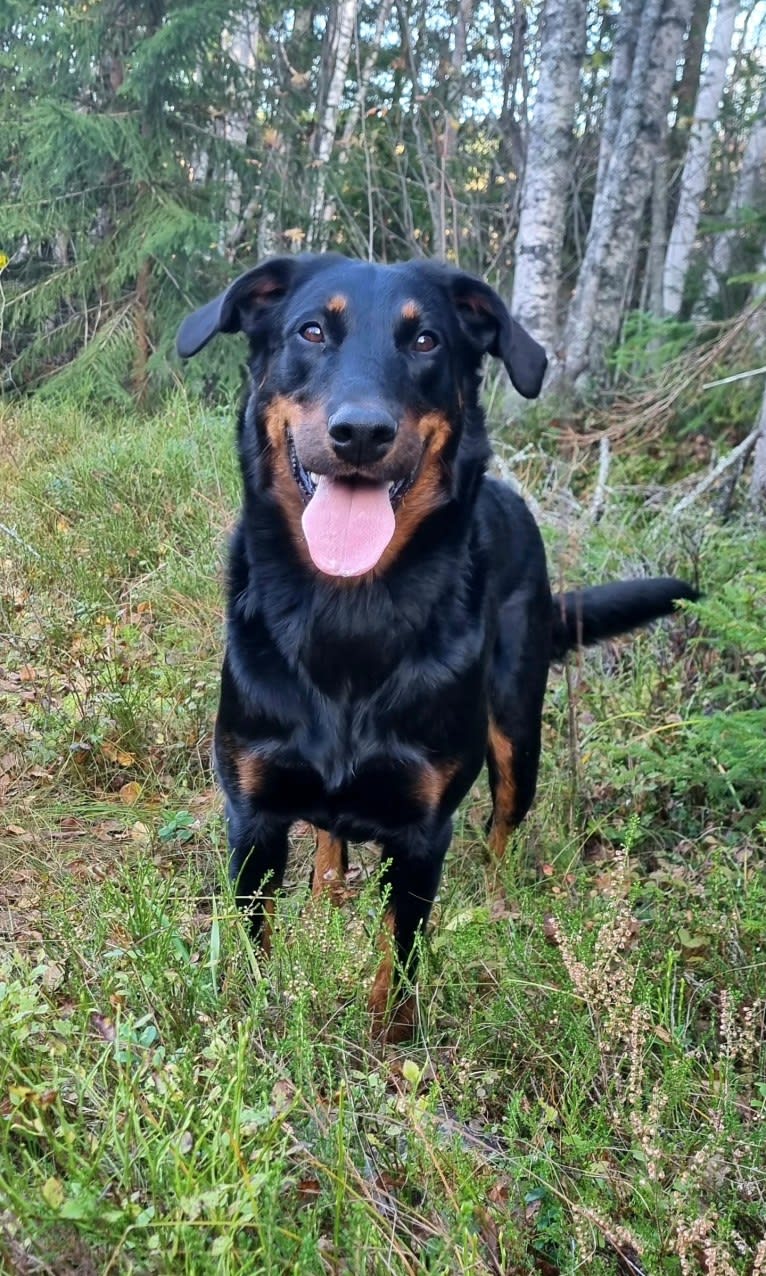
x=345, y=23
x=243, y=49
x=370, y=62
x=623, y=52
x=548, y=170
x=688, y=88
x=694, y=178
x=758, y=477
x=748, y=192
x=596, y=311
x=658, y=235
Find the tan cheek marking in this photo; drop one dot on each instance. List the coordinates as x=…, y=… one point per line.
x=433, y=782
x=282, y=414
x=328, y=866
x=504, y=807
x=426, y=494
x=337, y=305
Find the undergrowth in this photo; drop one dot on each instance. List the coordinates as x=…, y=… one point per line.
x=586, y=1091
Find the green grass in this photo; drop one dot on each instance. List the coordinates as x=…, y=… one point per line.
x=586, y=1092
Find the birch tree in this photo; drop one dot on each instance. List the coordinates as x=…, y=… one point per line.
x=694, y=178
x=547, y=170
x=597, y=306
x=758, y=477
x=340, y=55
x=748, y=192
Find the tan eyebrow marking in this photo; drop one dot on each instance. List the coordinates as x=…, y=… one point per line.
x=337, y=305
x=410, y=310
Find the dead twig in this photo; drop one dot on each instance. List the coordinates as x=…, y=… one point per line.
x=737, y=455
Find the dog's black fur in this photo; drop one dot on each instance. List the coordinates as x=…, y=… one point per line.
x=368, y=706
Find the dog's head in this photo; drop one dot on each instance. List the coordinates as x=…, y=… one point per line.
x=363, y=376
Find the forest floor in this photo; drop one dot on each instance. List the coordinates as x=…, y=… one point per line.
x=586, y=1091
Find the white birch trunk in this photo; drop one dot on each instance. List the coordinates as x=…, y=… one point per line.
x=547, y=171
x=242, y=47
x=370, y=62
x=748, y=192
x=758, y=477
x=345, y=23
x=694, y=178
x=658, y=235
x=596, y=310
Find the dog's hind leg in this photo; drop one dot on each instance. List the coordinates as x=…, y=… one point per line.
x=517, y=687
x=330, y=865
x=257, y=859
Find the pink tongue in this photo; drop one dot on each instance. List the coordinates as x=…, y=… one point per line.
x=347, y=526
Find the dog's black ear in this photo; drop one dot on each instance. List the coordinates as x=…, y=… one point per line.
x=241, y=308
x=489, y=327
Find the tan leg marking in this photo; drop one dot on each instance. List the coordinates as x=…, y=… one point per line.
x=268, y=914
x=433, y=781
x=250, y=771
x=504, y=807
x=328, y=866
x=381, y=988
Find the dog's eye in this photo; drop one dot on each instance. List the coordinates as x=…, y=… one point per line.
x=312, y=332
x=425, y=342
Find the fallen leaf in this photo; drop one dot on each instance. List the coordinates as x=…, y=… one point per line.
x=115, y=754
x=53, y=1193
x=130, y=793
x=53, y=977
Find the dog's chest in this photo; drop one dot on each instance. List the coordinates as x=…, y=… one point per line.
x=361, y=763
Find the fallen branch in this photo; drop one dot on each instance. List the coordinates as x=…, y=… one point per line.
x=738, y=454
x=9, y=531
x=598, y=503
x=737, y=376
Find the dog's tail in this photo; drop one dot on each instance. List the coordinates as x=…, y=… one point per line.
x=585, y=616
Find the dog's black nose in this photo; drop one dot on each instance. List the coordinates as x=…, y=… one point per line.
x=361, y=435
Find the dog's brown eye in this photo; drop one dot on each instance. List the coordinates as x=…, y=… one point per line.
x=426, y=342
x=312, y=332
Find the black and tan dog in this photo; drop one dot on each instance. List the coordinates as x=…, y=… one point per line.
x=390, y=621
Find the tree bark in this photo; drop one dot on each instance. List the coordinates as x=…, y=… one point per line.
x=694, y=178
x=596, y=310
x=686, y=96
x=623, y=52
x=658, y=235
x=748, y=192
x=548, y=170
x=758, y=476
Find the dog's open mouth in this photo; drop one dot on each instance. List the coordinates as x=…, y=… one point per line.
x=348, y=522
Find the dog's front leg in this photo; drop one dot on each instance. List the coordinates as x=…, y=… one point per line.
x=412, y=868
x=257, y=859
